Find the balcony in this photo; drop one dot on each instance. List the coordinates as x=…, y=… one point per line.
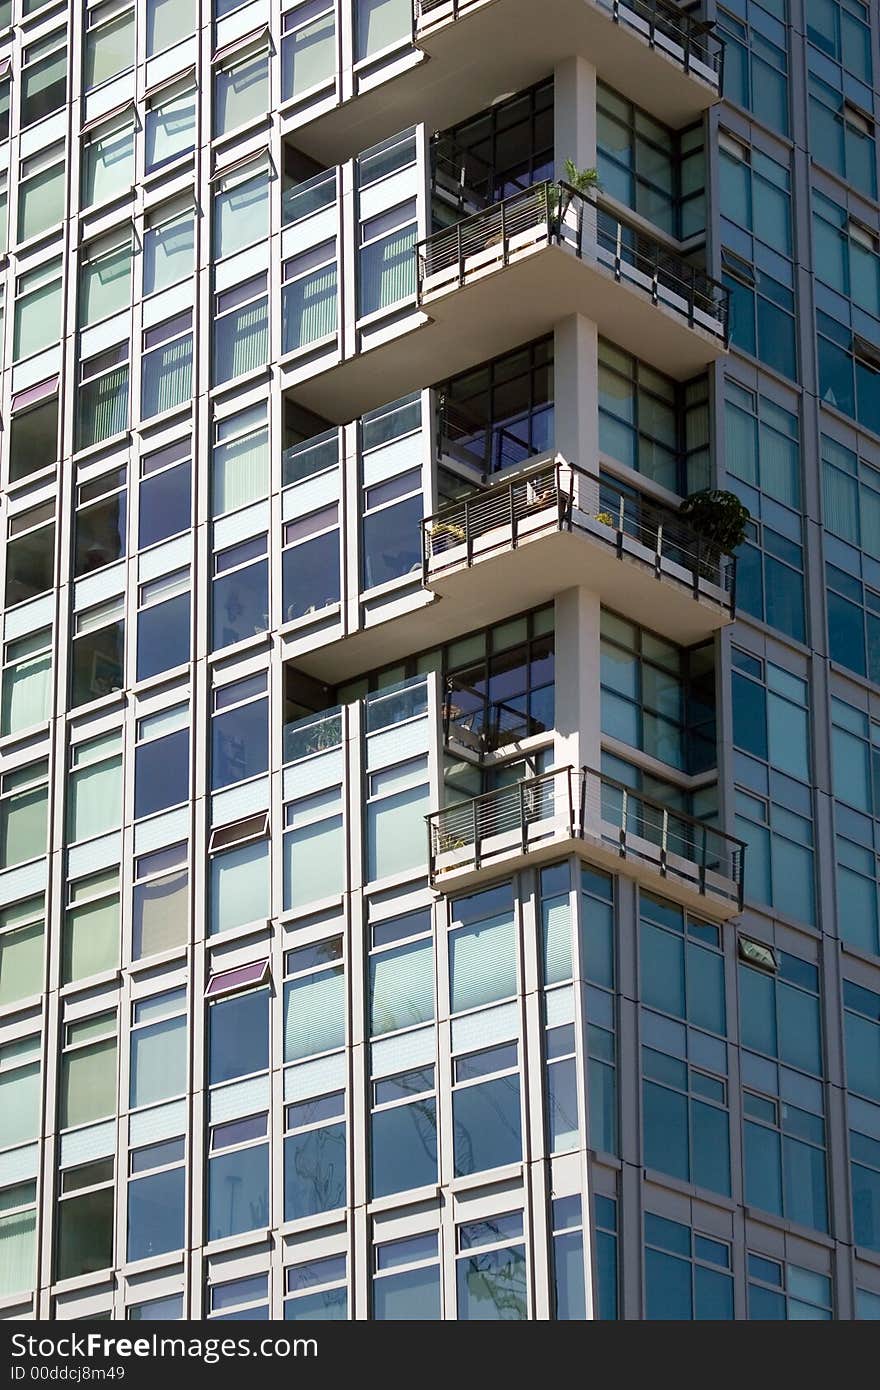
x=582, y=811
x=510, y=272
x=556, y=526
x=653, y=52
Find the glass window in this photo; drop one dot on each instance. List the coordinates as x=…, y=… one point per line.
x=33, y=433
x=386, y=263
x=95, y=786
x=102, y=401
x=239, y=460
x=90, y=942
x=170, y=122
x=101, y=521
x=165, y=493
x=238, y=1036
x=88, y=1070
x=169, y=247
x=20, y=1090
x=241, y=91
x=486, y=1118
x=241, y=210
x=241, y=329
x=98, y=663
x=84, y=1236
x=26, y=682
x=107, y=160
x=756, y=59
x=308, y=297
x=30, y=553
x=105, y=280
x=23, y=814
x=44, y=77
x=318, y=1291
x=239, y=731
x=239, y=886
x=41, y=191
x=687, y=1276
x=167, y=365
x=163, y=629
x=310, y=563
x=308, y=48
x=37, y=310
x=240, y=598
x=18, y=1238
x=109, y=43
x=161, y=771
x=160, y=901
x=314, y=1157
x=406, y=1279
x=156, y=1200
x=381, y=23
x=491, y=1270
x=158, y=1048
x=403, y=1132
x=168, y=21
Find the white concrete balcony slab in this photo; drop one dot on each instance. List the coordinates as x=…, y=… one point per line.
x=583, y=812
x=555, y=526
x=653, y=52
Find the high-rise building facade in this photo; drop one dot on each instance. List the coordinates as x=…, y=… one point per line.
x=436, y=880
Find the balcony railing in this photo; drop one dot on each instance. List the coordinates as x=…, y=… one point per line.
x=557, y=496
x=558, y=214
x=303, y=200
x=583, y=804
x=675, y=33
x=315, y=733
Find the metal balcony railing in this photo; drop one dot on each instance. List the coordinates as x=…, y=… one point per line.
x=678, y=35
x=558, y=214
x=558, y=496
x=585, y=804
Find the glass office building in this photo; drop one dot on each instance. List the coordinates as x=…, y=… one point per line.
x=435, y=882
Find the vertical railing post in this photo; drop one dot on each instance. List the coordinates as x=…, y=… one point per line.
x=523, y=829
x=460, y=252
x=664, y=841
x=703, y=857
x=658, y=550
x=475, y=813
x=621, y=518
x=698, y=560
x=469, y=540
x=582, y=827
x=511, y=499
x=624, y=812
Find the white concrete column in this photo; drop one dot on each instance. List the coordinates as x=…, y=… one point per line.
x=578, y=729
x=576, y=391
x=574, y=114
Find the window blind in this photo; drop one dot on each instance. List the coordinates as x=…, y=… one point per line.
x=483, y=963
x=314, y=1014
x=402, y=988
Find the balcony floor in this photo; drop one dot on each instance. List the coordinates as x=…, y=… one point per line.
x=497, y=308
x=504, y=856
x=546, y=563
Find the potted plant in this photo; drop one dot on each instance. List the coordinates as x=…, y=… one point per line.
x=606, y=518
x=444, y=535
x=583, y=181
x=720, y=520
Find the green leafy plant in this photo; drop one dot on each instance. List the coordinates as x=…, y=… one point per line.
x=719, y=518
x=583, y=181
x=606, y=518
